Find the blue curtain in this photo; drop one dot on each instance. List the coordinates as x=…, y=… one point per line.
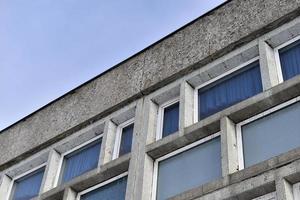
x=229, y=90
x=29, y=186
x=290, y=60
x=81, y=161
x=112, y=191
x=126, y=140
x=171, y=120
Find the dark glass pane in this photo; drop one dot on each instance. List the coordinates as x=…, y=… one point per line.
x=229, y=90
x=290, y=60
x=81, y=161
x=189, y=169
x=171, y=119
x=28, y=186
x=112, y=191
x=126, y=140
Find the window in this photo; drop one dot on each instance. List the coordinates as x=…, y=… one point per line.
x=271, y=133
x=188, y=167
x=168, y=119
x=28, y=185
x=230, y=89
x=81, y=159
x=289, y=58
x=124, y=138
x=114, y=188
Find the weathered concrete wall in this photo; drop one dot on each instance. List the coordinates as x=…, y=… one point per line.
x=209, y=37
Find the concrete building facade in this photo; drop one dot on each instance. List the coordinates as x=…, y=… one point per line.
x=210, y=112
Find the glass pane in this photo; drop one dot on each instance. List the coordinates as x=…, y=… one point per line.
x=171, y=119
x=29, y=186
x=81, y=161
x=112, y=191
x=126, y=140
x=271, y=135
x=189, y=169
x=229, y=90
x=290, y=60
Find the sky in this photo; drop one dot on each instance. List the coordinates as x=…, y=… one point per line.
x=49, y=47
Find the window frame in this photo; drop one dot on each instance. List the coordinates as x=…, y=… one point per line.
x=296, y=190
x=63, y=155
x=174, y=153
x=239, y=67
x=118, y=137
x=160, y=116
x=277, y=56
x=14, y=179
x=252, y=119
x=95, y=187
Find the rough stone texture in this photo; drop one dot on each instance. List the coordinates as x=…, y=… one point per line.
x=211, y=36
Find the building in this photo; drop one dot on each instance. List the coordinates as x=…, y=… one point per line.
x=210, y=112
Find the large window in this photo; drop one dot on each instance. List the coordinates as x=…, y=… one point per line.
x=168, y=118
x=81, y=159
x=289, y=57
x=228, y=90
x=27, y=186
x=124, y=136
x=188, y=167
x=113, y=189
x=269, y=134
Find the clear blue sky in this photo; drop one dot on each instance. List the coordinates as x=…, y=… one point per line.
x=48, y=47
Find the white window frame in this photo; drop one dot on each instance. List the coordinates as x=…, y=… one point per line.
x=296, y=190
x=14, y=179
x=101, y=185
x=277, y=56
x=119, y=132
x=254, y=118
x=160, y=116
x=63, y=155
x=174, y=153
x=196, y=114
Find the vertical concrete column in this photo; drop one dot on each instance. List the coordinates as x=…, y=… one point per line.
x=268, y=68
x=186, y=108
x=228, y=147
x=5, y=185
x=51, y=171
x=108, y=141
x=69, y=194
x=284, y=189
x=141, y=165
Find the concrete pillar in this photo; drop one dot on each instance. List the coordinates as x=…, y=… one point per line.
x=186, y=108
x=69, y=194
x=269, y=72
x=108, y=142
x=141, y=165
x=229, y=147
x=5, y=186
x=284, y=189
x=51, y=172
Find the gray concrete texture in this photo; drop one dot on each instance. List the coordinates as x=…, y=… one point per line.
x=211, y=36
